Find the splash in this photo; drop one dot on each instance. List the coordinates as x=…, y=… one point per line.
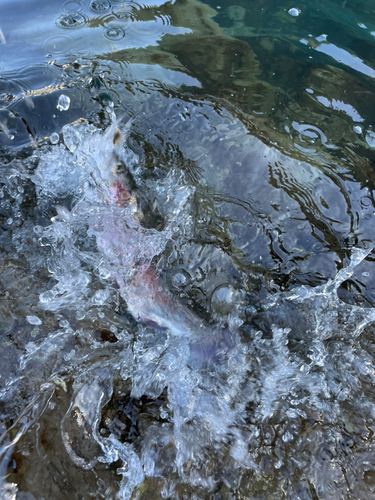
x=172, y=402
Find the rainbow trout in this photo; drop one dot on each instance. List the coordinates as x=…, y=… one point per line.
x=109, y=209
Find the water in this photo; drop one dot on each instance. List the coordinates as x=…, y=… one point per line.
x=187, y=215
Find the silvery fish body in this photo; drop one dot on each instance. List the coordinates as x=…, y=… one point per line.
x=98, y=162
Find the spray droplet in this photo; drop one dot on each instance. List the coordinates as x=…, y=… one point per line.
x=54, y=139
x=33, y=320
x=71, y=20
x=294, y=12
x=63, y=103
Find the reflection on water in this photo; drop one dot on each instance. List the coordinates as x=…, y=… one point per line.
x=187, y=220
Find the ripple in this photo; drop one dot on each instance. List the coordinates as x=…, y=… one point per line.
x=56, y=44
x=366, y=201
x=100, y=5
x=71, y=20
x=113, y=21
x=309, y=132
x=143, y=30
x=309, y=135
x=123, y=8
x=318, y=247
x=129, y=6
x=165, y=19
x=125, y=16
x=72, y=6
x=114, y=34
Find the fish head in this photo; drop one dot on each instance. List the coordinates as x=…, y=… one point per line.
x=113, y=169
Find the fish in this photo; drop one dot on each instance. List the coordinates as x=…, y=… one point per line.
x=122, y=240
x=107, y=210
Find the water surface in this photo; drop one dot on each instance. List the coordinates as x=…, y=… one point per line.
x=211, y=336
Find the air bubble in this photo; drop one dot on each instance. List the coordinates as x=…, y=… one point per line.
x=224, y=299
x=63, y=103
x=180, y=279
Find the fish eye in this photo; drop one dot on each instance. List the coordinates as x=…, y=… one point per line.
x=120, y=168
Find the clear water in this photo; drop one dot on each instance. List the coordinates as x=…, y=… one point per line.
x=187, y=232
